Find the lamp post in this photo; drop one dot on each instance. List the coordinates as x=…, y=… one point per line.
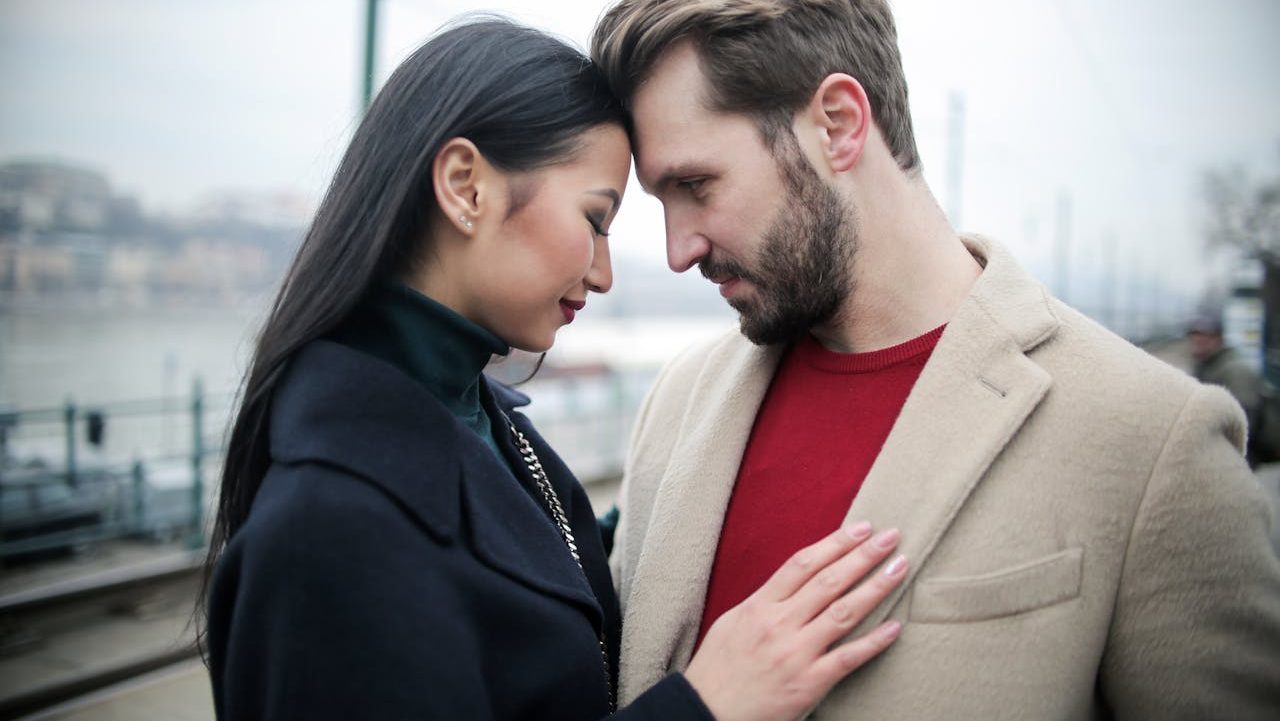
x=370, y=47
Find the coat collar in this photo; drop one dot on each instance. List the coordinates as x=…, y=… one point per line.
x=665, y=596
x=394, y=434
x=975, y=392
x=972, y=397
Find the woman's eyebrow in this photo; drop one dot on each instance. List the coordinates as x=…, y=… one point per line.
x=609, y=193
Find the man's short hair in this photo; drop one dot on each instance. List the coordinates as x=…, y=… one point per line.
x=766, y=58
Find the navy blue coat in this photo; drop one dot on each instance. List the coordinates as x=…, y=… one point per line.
x=393, y=568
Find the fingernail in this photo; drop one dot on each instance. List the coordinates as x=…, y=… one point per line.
x=890, y=630
x=896, y=566
x=859, y=531
x=887, y=539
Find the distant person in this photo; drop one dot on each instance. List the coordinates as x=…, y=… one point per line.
x=394, y=540
x=1221, y=365
x=1087, y=541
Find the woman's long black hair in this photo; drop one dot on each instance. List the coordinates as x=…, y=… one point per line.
x=522, y=96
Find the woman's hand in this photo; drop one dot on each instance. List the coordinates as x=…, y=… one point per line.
x=770, y=657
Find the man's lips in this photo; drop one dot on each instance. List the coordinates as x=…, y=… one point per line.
x=725, y=274
x=727, y=284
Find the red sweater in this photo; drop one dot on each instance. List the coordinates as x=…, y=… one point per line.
x=820, y=427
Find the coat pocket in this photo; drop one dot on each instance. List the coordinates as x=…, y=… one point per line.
x=1026, y=587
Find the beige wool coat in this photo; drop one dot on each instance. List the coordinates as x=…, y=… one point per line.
x=1086, y=541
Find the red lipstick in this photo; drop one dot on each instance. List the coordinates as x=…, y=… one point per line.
x=570, y=308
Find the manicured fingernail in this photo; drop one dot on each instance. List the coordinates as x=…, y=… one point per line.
x=896, y=566
x=859, y=531
x=887, y=539
x=890, y=630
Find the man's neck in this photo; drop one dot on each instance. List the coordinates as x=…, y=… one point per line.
x=910, y=272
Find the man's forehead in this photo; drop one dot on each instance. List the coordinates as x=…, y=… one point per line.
x=673, y=151
x=679, y=64
x=655, y=158
x=673, y=92
x=671, y=121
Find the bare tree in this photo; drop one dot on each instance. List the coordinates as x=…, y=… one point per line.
x=1244, y=214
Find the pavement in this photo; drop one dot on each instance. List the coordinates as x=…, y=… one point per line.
x=93, y=559
x=178, y=693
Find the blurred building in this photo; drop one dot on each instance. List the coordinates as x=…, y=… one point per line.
x=1242, y=313
x=66, y=236
x=52, y=197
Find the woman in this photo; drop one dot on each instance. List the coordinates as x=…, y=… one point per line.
x=394, y=541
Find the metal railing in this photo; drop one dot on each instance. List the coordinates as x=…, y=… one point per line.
x=63, y=485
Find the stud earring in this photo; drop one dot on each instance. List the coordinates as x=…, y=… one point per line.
x=466, y=222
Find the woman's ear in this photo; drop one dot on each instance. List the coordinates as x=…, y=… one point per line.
x=456, y=175
x=842, y=112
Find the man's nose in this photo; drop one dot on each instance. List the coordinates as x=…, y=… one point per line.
x=685, y=244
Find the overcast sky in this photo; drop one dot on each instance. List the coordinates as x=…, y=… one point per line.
x=1119, y=104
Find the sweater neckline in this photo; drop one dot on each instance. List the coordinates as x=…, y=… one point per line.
x=811, y=352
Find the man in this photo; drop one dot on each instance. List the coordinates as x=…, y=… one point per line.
x=1085, y=539
x=1220, y=365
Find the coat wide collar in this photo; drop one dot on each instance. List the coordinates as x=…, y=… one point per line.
x=973, y=395
x=341, y=407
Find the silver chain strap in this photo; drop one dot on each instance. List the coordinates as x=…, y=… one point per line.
x=561, y=521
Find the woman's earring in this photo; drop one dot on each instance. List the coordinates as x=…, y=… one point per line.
x=466, y=222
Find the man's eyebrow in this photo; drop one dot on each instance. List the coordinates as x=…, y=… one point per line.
x=673, y=173
x=609, y=193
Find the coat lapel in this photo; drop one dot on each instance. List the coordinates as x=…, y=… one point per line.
x=390, y=431
x=510, y=530
x=976, y=391
x=511, y=533
x=670, y=582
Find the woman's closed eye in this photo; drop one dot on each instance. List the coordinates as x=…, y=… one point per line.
x=597, y=226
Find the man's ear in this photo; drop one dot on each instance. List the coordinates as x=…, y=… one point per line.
x=457, y=174
x=842, y=113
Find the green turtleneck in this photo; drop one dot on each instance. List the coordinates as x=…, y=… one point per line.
x=432, y=344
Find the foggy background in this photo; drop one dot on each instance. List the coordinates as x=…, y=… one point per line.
x=161, y=159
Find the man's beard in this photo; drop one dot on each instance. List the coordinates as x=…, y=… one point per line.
x=802, y=272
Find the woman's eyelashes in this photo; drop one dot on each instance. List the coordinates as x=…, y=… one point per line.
x=597, y=226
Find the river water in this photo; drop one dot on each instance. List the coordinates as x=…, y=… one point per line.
x=95, y=358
